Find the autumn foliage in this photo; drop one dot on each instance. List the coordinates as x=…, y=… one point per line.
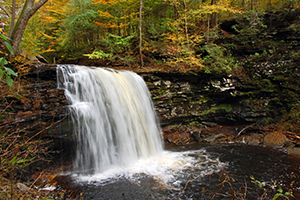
x=173, y=30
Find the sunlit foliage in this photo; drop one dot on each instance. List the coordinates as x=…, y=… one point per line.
x=43, y=30
x=67, y=29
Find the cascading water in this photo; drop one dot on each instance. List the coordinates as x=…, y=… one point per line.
x=114, y=118
x=119, y=140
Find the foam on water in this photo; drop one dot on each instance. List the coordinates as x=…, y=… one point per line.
x=168, y=170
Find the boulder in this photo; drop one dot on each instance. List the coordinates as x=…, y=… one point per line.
x=275, y=140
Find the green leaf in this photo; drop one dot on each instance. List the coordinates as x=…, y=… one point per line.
x=10, y=71
x=1, y=73
x=9, y=47
x=280, y=189
x=4, y=37
x=276, y=196
x=9, y=81
x=13, y=160
x=21, y=161
x=3, y=61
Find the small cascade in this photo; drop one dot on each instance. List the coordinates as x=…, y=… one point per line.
x=113, y=116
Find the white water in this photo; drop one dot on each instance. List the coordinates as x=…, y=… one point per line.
x=169, y=170
x=114, y=117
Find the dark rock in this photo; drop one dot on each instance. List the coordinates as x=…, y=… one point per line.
x=184, y=98
x=210, y=124
x=213, y=138
x=197, y=135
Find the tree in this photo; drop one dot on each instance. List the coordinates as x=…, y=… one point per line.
x=28, y=10
x=79, y=33
x=140, y=34
x=118, y=16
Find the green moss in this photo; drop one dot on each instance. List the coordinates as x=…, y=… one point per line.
x=193, y=123
x=226, y=107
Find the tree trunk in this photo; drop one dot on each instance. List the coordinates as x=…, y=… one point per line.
x=140, y=34
x=208, y=24
x=27, y=12
x=213, y=15
x=185, y=23
x=176, y=11
x=13, y=16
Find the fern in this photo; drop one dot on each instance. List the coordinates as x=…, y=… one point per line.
x=98, y=54
x=218, y=59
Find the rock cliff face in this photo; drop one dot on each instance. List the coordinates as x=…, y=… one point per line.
x=195, y=98
x=191, y=98
x=38, y=110
x=204, y=108
x=40, y=95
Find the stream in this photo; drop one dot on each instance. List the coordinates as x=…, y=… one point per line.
x=192, y=172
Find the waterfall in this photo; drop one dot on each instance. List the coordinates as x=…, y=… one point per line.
x=113, y=116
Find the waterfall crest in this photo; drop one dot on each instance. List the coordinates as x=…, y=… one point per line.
x=113, y=117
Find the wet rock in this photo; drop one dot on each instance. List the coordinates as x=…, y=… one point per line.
x=210, y=124
x=213, y=138
x=254, y=139
x=208, y=99
x=295, y=151
x=197, y=135
x=275, y=140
